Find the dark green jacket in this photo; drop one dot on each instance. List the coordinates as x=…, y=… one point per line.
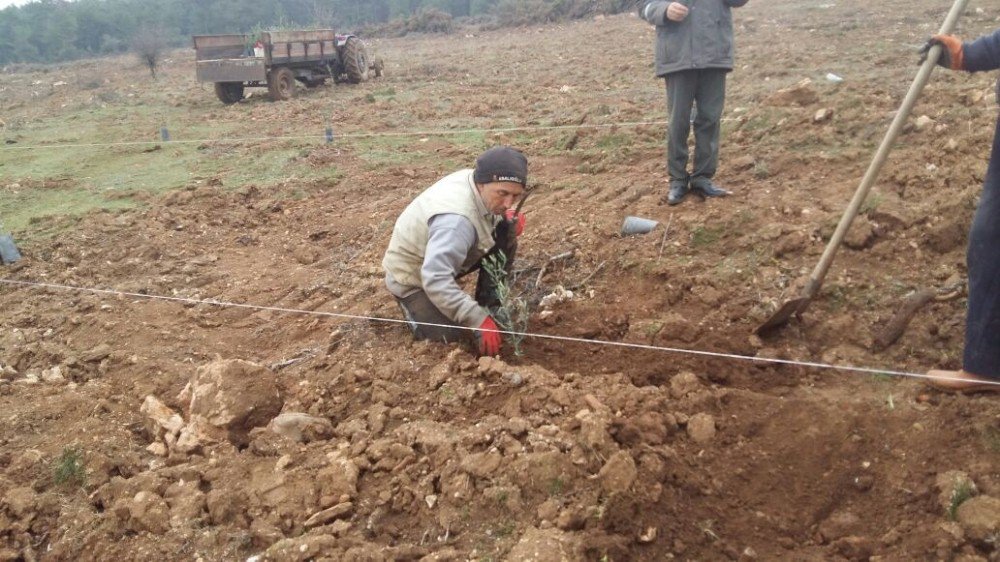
x=703, y=40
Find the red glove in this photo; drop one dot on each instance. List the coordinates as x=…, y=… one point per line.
x=952, y=51
x=517, y=219
x=489, y=337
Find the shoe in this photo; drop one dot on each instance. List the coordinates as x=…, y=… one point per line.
x=708, y=189
x=678, y=191
x=960, y=381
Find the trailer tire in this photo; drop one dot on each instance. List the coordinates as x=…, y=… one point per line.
x=355, y=59
x=229, y=92
x=281, y=83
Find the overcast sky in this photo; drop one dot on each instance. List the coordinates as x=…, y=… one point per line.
x=5, y=3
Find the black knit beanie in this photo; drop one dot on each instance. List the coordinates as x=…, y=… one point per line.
x=501, y=163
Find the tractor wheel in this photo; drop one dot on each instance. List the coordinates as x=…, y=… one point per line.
x=355, y=59
x=281, y=84
x=229, y=92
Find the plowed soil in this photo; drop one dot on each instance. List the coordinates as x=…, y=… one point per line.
x=571, y=450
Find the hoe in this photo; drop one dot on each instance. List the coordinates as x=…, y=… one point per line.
x=797, y=306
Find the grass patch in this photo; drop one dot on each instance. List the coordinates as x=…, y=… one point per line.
x=476, y=141
x=871, y=204
x=882, y=378
x=447, y=392
x=739, y=266
x=382, y=93
x=69, y=469
x=761, y=171
x=652, y=329
x=705, y=236
x=557, y=486
x=963, y=491
x=991, y=439
x=379, y=152
x=615, y=141
x=385, y=151
x=265, y=166
x=837, y=296
x=22, y=209
x=501, y=498
x=759, y=122
x=505, y=529
x=744, y=217
x=74, y=181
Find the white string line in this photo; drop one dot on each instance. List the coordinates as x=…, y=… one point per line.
x=225, y=304
x=428, y=133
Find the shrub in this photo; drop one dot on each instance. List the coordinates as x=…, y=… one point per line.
x=523, y=12
x=149, y=45
x=69, y=467
x=429, y=21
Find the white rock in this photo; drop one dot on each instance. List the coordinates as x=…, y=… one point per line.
x=157, y=448
x=53, y=375
x=236, y=396
x=195, y=435
x=162, y=417
x=822, y=115
x=301, y=427
x=923, y=122
x=557, y=296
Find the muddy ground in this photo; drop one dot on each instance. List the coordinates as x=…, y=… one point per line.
x=137, y=428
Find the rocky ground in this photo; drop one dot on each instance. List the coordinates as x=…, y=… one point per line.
x=138, y=428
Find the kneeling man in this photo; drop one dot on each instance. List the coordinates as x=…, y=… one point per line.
x=444, y=234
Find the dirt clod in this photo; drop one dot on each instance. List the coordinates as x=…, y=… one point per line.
x=701, y=428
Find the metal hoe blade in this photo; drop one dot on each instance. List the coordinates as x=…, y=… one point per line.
x=782, y=315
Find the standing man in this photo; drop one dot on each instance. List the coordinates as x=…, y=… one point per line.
x=694, y=52
x=981, y=358
x=444, y=234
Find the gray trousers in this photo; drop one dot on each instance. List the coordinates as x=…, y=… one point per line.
x=707, y=89
x=418, y=308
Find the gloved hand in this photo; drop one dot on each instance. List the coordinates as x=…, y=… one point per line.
x=517, y=219
x=489, y=337
x=952, y=52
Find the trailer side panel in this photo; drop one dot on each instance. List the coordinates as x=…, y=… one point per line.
x=232, y=70
x=213, y=47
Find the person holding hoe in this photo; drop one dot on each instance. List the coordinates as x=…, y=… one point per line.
x=446, y=233
x=981, y=357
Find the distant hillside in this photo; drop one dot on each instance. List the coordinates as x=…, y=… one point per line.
x=57, y=30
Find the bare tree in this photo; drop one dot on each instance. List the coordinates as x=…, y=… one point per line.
x=322, y=13
x=149, y=44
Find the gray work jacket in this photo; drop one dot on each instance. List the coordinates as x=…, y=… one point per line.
x=704, y=39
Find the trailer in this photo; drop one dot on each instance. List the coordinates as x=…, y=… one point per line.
x=277, y=59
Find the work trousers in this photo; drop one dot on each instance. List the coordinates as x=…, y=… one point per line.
x=706, y=89
x=982, y=325
x=419, y=312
